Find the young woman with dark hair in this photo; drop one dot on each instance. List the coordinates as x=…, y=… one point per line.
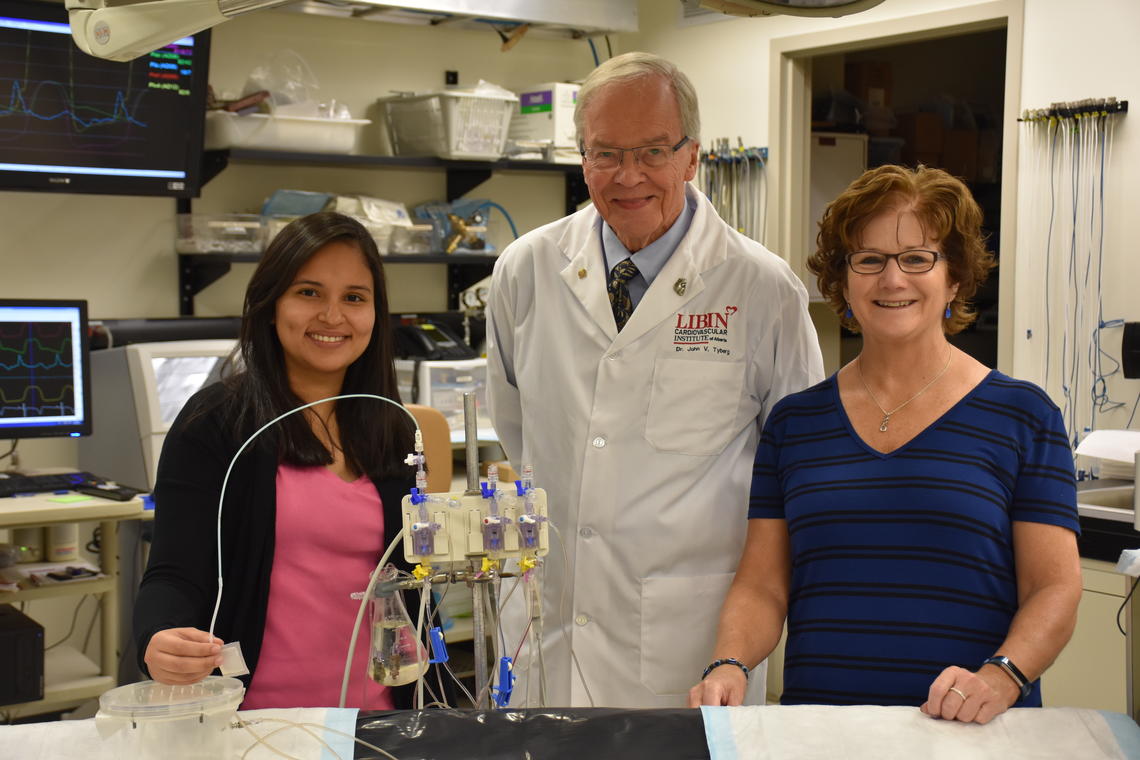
x=310, y=505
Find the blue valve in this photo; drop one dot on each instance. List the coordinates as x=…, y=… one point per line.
x=438, y=645
x=502, y=694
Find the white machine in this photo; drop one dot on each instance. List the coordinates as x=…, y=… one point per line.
x=137, y=391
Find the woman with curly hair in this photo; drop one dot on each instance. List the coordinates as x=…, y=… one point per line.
x=912, y=517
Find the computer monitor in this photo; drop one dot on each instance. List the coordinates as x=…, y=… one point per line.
x=139, y=390
x=70, y=122
x=45, y=378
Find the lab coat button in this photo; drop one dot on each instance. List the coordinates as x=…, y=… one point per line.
x=599, y=442
x=585, y=532
x=582, y=619
x=611, y=357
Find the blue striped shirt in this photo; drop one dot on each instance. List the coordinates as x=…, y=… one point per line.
x=902, y=563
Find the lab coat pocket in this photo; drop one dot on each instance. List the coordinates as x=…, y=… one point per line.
x=693, y=405
x=678, y=629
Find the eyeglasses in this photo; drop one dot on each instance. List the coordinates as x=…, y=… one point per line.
x=648, y=156
x=914, y=261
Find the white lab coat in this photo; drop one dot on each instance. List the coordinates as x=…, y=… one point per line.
x=644, y=441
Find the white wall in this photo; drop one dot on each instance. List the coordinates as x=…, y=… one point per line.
x=728, y=62
x=1108, y=67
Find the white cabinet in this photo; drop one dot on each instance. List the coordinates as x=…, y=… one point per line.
x=70, y=678
x=1092, y=670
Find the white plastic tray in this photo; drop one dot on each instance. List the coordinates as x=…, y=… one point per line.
x=271, y=132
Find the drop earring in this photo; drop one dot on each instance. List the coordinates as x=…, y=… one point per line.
x=849, y=314
x=946, y=314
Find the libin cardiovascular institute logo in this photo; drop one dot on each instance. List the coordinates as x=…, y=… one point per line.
x=706, y=332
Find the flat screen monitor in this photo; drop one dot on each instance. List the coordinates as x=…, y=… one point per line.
x=45, y=378
x=73, y=123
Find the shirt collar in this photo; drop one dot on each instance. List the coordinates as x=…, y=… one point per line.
x=651, y=259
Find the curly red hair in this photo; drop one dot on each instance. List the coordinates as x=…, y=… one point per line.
x=945, y=208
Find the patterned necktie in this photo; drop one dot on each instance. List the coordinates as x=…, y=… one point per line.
x=618, y=288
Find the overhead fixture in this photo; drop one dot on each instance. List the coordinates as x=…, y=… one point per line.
x=832, y=8
x=123, y=32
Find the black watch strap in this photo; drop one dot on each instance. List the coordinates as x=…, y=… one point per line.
x=1006, y=665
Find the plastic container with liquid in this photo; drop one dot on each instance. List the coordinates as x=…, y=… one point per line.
x=153, y=721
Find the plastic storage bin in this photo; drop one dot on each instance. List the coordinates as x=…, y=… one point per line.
x=270, y=132
x=461, y=125
x=220, y=233
x=442, y=383
x=153, y=721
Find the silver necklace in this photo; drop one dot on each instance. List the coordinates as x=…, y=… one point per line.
x=922, y=390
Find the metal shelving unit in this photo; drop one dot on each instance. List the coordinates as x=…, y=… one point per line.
x=198, y=270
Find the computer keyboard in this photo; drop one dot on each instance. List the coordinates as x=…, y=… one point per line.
x=12, y=484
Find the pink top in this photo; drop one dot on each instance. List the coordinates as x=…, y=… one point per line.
x=330, y=535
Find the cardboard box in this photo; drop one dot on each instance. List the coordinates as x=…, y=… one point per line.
x=870, y=81
x=923, y=132
x=546, y=112
x=960, y=154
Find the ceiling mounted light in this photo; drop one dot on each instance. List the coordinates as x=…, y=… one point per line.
x=832, y=8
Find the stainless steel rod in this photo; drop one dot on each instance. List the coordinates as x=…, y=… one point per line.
x=471, y=439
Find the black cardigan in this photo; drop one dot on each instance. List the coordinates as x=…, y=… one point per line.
x=179, y=586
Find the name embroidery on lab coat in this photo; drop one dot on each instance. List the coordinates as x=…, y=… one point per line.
x=706, y=332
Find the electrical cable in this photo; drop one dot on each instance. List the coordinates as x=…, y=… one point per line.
x=1123, y=604
x=594, y=52
x=71, y=628
x=11, y=449
x=260, y=739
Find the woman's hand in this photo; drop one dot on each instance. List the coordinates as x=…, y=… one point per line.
x=960, y=694
x=723, y=686
x=182, y=655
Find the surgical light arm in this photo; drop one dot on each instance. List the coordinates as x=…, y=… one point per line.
x=124, y=32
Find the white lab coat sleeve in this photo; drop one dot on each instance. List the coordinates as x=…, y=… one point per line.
x=796, y=360
x=503, y=400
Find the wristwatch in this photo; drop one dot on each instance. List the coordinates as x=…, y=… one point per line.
x=1011, y=670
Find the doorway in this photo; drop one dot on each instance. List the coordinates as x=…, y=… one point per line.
x=933, y=54
x=937, y=103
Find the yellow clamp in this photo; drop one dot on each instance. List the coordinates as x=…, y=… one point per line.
x=490, y=564
x=421, y=571
x=527, y=563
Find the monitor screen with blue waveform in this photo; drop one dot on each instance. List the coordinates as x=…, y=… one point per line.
x=70, y=122
x=45, y=380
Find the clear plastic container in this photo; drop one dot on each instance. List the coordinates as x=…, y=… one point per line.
x=414, y=238
x=220, y=233
x=153, y=721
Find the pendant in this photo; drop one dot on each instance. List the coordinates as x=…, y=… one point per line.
x=883, y=424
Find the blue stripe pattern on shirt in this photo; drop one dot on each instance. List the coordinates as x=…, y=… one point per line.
x=902, y=563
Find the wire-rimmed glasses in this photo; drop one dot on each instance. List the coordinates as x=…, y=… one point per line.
x=913, y=261
x=648, y=156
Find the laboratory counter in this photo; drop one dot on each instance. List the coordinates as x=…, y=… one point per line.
x=801, y=732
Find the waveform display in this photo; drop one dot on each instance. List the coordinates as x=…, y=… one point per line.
x=36, y=372
x=62, y=108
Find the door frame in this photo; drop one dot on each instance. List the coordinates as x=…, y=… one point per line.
x=789, y=128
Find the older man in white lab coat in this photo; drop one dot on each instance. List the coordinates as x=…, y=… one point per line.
x=638, y=395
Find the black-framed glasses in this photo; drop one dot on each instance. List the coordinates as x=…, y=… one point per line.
x=649, y=156
x=914, y=261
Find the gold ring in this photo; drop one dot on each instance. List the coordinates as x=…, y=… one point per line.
x=959, y=692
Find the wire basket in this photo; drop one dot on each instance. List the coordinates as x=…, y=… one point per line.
x=457, y=125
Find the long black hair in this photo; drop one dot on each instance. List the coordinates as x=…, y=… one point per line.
x=374, y=435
